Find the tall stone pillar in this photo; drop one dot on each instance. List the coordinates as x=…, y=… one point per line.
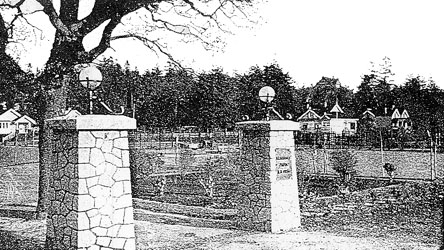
x=90, y=189
x=269, y=189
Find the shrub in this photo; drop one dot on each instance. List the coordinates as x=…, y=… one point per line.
x=390, y=169
x=344, y=162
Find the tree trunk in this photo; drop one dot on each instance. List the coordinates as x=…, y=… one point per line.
x=53, y=84
x=53, y=101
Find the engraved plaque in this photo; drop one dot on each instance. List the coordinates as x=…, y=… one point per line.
x=283, y=164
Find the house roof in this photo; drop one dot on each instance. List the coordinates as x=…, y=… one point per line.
x=336, y=109
x=309, y=115
x=325, y=116
x=330, y=116
x=368, y=113
x=71, y=114
x=396, y=114
x=10, y=115
x=405, y=114
x=25, y=119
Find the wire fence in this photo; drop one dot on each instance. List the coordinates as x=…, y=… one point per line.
x=163, y=138
x=28, y=138
x=386, y=141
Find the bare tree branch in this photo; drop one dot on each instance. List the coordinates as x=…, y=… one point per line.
x=12, y=6
x=106, y=39
x=17, y=18
x=193, y=31
x=154, y=46
x=108, y=9
x=54, y=18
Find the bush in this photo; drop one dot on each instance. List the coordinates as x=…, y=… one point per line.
x=390, y=169
x=344, y=162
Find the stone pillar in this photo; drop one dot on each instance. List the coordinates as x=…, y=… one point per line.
x=90, y=189
x=269, y=189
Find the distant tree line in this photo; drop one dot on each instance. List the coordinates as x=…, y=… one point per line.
x=214, y=99
x=175, y=98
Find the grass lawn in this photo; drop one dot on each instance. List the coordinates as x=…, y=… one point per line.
x=19, y=185
x=400, y=227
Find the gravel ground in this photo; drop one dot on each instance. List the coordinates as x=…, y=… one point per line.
x=22, y=234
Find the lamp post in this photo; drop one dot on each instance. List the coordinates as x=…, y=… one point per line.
x=90, y=78
x=267, y=94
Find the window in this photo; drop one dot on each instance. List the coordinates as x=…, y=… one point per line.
x=352, y=126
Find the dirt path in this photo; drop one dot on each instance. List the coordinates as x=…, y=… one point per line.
x=183, y=237
x=22, y=234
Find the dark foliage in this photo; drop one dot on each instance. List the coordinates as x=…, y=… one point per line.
x=344, y=163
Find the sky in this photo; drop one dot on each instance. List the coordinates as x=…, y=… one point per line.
x=311, y=39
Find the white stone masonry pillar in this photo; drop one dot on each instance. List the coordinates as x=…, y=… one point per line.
x=270, y=198
x=90, y=188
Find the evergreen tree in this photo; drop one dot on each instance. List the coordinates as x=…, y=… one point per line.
x=273, y=76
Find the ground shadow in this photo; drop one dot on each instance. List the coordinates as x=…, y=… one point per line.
x=17, y=240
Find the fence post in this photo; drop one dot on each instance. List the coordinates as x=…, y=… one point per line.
x=382, y=152
x=160, y=139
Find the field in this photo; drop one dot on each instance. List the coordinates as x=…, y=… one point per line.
x=410, y=164
x=380, y=224
x=19, y=184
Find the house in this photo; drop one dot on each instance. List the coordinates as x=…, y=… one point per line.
x=395, y=121
x=401, y=120
x=6, y=121
x=340, y=123
x=24, y=124
x=333, y=122
x=12, y=122
x=309, y=121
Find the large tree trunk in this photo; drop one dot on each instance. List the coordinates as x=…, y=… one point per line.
x=54, y=83
x=52, y=103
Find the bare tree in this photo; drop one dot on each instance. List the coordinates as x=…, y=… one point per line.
x=7, y=62
x=192, y=19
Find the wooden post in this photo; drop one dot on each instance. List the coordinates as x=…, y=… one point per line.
x=432, y=157
x=26, y=137
x=433, y=150
x=160, y=139
x=325, y=159
x=314, y=165
x=33, y=135
x=382, y=152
